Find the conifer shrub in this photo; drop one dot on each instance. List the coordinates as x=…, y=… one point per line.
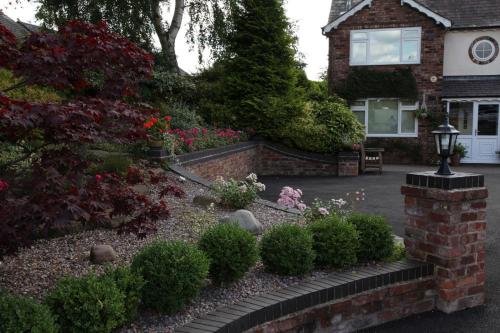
x=375, y=236
x=89, y=304
x=232, y=252
x=22, y=314
x=336, y=242
x=288, y=250
x=173, y=272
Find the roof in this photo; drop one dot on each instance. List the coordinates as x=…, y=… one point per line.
x=462, y=13
x=20, y=29
x=471, y=86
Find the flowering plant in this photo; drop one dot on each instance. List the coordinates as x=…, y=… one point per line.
x=291, y=198
x=238, y=194
x=158, y=128
x=195, y=139
x=339, y=207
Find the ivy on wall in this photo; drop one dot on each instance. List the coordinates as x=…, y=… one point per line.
x=363, y=83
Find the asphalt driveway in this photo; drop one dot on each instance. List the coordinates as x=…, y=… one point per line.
x=383, y=197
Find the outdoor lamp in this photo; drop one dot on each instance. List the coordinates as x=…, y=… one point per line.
x=446, y=138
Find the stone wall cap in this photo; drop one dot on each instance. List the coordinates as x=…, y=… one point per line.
x=459, y=180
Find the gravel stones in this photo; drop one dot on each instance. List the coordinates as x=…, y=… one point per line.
x=205, y=200
x=102, y=254
x=245, y=219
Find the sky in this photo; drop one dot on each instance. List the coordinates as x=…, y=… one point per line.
x=307, y=17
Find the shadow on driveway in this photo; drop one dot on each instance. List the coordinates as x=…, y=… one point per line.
x=383, y=197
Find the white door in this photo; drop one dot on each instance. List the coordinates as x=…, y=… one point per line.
x=478, y=123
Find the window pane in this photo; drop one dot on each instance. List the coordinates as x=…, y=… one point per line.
x=408, y=122
x=360, y=115
x=415, y=33
x=383, y=117
x=461, y=117
x=359, y=36
x=385, y=46
x=358, y=53
x=410, y=51
x=358, y=103
x=487, y=122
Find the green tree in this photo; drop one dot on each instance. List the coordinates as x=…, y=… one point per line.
x=138, y=20
x=262, y=72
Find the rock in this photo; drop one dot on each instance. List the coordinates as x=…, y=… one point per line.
x=205, y=200
x=101, y=254
x=246, y=220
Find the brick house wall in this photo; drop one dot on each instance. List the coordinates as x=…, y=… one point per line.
x=390, y=14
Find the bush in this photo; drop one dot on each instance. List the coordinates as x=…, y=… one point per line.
x=238, y=194
x=118, y=164
x=232, y=252
x=87, y=304
x=335, y=242
x=27, y=93
x=173, y=273
x=130, y=284
x=288, y=250
x=21, y=314
x=375, y=236
x=183, y=115
x=398, y=253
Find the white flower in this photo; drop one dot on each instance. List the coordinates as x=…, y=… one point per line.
x=323, y=211
x=260, y=187
x=220, y=180
x=243, y=188
x=252, y=178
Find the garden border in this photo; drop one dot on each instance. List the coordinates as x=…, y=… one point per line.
x=288, y=303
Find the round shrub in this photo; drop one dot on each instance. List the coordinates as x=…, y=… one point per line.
x=232, y=252
x=22, y=314
x=130, y=284
x=173, y=273
x=288, y=250
x=335, y=242
x=375, y=236
x=87, y=304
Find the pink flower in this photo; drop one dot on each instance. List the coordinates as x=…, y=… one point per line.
x=204, y=131
x=189, y=142
x=98, y=178
x=323, y=211
x=3, y=185
x=301, y=206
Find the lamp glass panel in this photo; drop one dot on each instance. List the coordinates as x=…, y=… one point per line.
x=453, y=143
x=445, y=143
x=437, y=138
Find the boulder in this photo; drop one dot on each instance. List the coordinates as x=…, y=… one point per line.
x=205, y=200
x=102, y=254
x=245, y=219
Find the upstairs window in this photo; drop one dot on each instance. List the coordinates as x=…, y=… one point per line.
x=385, y=46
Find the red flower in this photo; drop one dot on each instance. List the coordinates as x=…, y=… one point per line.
x=189, y=142
x=98, y=178
x=3, y=185
x=149, y=124
x=168, y=118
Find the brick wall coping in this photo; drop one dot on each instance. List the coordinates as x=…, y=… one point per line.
x=209, y=154
x=268, y=307
x=457, y=181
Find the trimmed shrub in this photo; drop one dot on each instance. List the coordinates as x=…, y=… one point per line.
x=22, y=314
x=130, y=284
x=232, y=252
x=375, y=236
x=398, y=253
x=336, y=242
x=88, y=304
x=288, y=250
x=173, y=272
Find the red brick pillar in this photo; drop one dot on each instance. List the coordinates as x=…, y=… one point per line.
x=446, y=226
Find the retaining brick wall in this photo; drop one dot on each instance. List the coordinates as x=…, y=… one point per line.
x=361, y=311
x=239, y=160
x=390, y=14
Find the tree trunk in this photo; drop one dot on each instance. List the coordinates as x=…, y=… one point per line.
x=168, y=38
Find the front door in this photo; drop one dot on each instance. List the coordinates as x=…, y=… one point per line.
x=478, y=123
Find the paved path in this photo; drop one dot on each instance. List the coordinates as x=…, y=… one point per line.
x=383, y=198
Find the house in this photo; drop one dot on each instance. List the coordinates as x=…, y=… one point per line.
x=450, y=48
x=20, y=29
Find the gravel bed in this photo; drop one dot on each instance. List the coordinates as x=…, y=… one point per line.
x=33, y=271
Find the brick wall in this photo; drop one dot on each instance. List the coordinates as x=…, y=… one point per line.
x=361, y=311
x=265, y=161
x=390, y=14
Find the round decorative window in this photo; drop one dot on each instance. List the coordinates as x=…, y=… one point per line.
x=484, y=50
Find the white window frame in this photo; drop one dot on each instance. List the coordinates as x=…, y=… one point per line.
x=476, y=45
x=366, y=42
x=401, y=108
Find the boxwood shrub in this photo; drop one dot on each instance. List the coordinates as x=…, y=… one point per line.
x=232, y=252
x=375, y=236
x=88, y=304
x=336, y=242
x=173, y=272
x=22, y=314
x=130, y=284
x=288, y=250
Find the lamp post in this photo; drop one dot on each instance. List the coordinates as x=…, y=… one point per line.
x=446, y=138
